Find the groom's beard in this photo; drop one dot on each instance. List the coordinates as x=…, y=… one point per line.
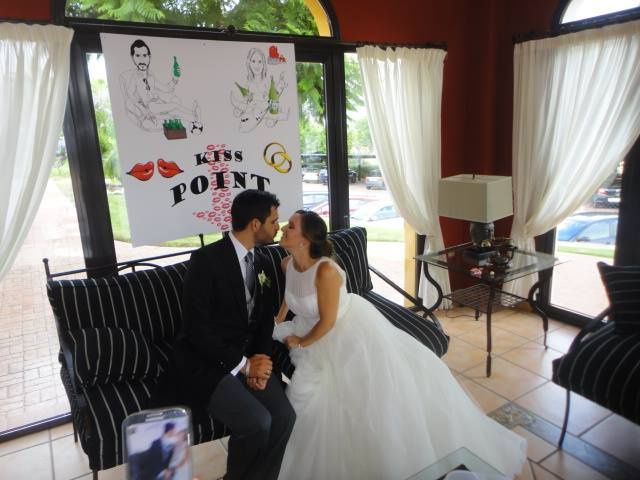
x=264, y=237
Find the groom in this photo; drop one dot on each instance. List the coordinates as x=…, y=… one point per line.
x=223, y=354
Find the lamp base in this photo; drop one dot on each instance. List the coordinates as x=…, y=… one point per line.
x=480, y=232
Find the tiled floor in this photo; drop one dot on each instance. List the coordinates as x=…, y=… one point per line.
x=519, y=394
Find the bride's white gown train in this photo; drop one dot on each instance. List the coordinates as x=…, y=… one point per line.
x=374, y=403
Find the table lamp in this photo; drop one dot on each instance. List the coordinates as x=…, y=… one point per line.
x=479, y=199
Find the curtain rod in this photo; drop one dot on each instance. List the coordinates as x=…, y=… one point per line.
x=364, y=43
x=26, y=22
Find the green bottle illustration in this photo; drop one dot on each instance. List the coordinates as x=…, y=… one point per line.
x=274, y=98
x=243, y=91
x=176, y=68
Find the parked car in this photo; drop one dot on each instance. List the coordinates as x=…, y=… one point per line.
x=312, y=199
x=379, y=212
x=589, y=228
x=608, y=197
x=310, y=176
x=355, y=203
x=374, y=180
x=324, y=178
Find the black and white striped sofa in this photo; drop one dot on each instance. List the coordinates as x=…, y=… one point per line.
x=116, y=335
x=603, y=361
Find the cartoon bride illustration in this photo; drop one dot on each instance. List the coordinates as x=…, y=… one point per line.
x=259, y=99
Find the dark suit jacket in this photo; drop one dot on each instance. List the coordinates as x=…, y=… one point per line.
x=216, y=331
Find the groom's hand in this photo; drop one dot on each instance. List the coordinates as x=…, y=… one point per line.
x=257, y=383
x=260, y=367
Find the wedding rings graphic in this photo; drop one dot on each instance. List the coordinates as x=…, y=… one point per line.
x=276, y=156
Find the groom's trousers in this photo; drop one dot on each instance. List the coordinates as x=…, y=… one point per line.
x=260, y=421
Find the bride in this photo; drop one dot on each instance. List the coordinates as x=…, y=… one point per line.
x=371, y=401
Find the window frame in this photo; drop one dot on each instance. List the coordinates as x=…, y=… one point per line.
x=593, y=22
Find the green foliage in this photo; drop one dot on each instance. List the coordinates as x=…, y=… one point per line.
x=313, y=137
x=353, y=84
x=106, y=132
x=358, y=137
x=119, y=219
x=310, y=90
x=274, y=16
x=122, y=10
x=587, y=249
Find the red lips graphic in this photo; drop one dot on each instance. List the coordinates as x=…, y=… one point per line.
x=168, y=169
x=142, y=171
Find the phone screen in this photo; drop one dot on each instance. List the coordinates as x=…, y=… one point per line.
x=158, y=448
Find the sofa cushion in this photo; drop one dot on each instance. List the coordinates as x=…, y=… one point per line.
x=350, y=246
x=106, y=355
x=622, y=284
x=145, y=301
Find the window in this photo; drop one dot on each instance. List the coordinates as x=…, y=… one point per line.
x=298, y=17
x=598, y=11
x=583, y=239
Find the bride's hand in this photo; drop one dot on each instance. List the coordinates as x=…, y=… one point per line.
x=292, y=341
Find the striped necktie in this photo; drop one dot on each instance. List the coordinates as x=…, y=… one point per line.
x=250, y=279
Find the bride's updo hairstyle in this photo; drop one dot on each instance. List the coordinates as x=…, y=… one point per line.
x=315, y=230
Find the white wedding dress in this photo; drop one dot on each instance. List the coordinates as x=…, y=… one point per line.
x=374, y=403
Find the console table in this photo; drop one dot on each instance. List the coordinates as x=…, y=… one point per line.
x=487, y=294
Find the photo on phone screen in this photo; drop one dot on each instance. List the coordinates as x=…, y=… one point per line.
x=158, y=446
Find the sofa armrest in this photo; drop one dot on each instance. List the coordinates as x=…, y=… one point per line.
x=593, y=325
x=418, y=305
x=66, y=359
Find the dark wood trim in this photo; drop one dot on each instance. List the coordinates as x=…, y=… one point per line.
x=574, y=27
x=85, y=165
x=57, y=11
x=559, y=13
x=546, y=243
x=628, y=235
x=336, y=118
x=421, y=240
x=333, y=19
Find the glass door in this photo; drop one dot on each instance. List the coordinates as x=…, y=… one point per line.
x=30, y=387
x=582, y=240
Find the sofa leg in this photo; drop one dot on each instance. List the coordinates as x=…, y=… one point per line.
x=75, y=432
x=95, y=474
x=566, y=419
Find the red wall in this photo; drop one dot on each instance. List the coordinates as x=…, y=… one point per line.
x=36, y=10
x=477, y=98
x=478, y=74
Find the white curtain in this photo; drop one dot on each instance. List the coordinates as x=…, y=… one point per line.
x=576, y=115
x=403, y=92
x=34, y=77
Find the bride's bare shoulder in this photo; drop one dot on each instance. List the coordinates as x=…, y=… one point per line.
x=328, y=272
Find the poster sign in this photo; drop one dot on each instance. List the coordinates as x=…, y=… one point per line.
x=197, y=122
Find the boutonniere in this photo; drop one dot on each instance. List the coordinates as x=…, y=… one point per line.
x=263, y=280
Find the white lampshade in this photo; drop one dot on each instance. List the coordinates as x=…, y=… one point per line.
x=476, y=198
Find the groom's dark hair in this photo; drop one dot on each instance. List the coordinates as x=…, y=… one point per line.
x=250, y=204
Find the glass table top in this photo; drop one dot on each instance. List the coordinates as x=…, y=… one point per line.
x=461, y=258
x=455, y=459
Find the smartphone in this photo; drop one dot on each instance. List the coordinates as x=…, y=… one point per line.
x=156, y=444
